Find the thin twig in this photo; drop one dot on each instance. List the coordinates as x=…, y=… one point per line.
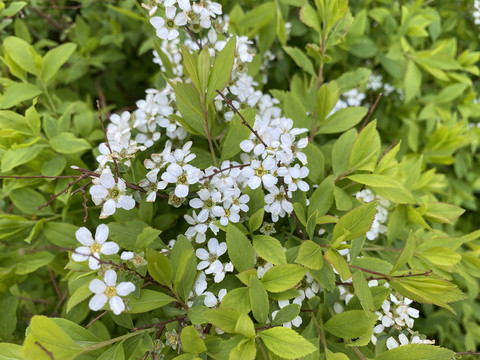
x=470, y=352
x=54, y=282
x=60, y=302
x=219, y=171
x=359, y=353
x=50, y=355
x=244, y=122
x=69, y=185
x=18, y=177
x=98, y=317
x=297, y=224
x=107, y=142
x=41, y=301
x=370, y=112
x=194, y=38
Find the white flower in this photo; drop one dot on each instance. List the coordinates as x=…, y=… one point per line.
x=167, y=28
x=391, y=343
x=91, y=248
x=108, y=290
x=110, y=193
x=181, y=176
x=259, y=172
x=277, y=203
x=210, y=258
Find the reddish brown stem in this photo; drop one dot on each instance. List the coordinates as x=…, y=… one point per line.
x=50, y=355
x=370, y=112
x=98, y=317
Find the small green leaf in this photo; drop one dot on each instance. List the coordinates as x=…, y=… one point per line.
x=17, y=93
x=16, y=157
x=363, y=292
x=225, y=319
x=245, y=326
x=417, y=352
x=159, y=267
x=54, y=59
x=310, y=255
x=79, y=295
x=357, y=222
x=407, y=252
x=286, y=314
x=269, y=249
x=222, y=69
x=350, y=324
x=337, y=260
x=149, y=300
x=67, y=143
x=191, y=340
x=240, y=249
x=286, y=343
x=245, y=350
x=22, y=53
x=300, y=59
x=259, y=300
x=322, y=198
x=237, y=299
x=342, y=120
x=283, y=277
x=412, y=82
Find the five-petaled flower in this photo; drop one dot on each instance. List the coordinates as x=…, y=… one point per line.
x=108, y=290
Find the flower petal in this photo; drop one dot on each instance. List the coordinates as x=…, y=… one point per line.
x=84, y=236
x=81, y=253
x=101, y=235
x=109, y=248
x=93, y=263
x=116, y=304
x=110, y=277
x=97, y=302
x=97, y=286
x=125, y=288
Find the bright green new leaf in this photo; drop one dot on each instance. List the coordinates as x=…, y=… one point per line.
x=22, y=53
x=360, y=285
x=10, y=352
x=350, y=324
x=225, y=319
x=342, y=120
x=337, y=260
x=286, y=343
x=442, y=212
x=116, y=352
x=203, y=66
x=417, y=352
x=353, y=79
x=412, y=81
x=190, y=66
x=222, y=68
x=322, y=198
x=357, y=222
x=79, y=295
x=159, y=267
x=237, y=299
x=310, y=255
x=259, y=300
x=407, y=252
x=17, y=93
x=270, y=249
x=15, y=157
x=300, y=59
x=245, y=350
x=283, y=277
x=149, y=300
x=54, y=59
x=315, y=164
x=335, y=356
x=245, y=326
x=327, y=97
x=191, y=340
x=309, y=17
x=67, y=143
x=295, y=110
x=240, y=249
x=147, y=236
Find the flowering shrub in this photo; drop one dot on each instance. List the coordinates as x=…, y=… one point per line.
x=270, y=195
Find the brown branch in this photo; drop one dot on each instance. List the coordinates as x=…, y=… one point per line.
x=98, y=88
x=370, y=112
x=98, y=317
x=10, y=208
x=54, y=196
x=194, y=38
x=219, y=171
x=85, y=200
x=107, y=142
x=47, y=17
x=60, y=302
x=50, y=355
x=40, y=301
x=359, y=353
x=469, y=352
x=244, y=122
x=54, y=282
x=159, y=324
x=37, y=177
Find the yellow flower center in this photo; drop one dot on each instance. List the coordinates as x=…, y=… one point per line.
x=111, y=291
x=259, y=171
x=95, y=248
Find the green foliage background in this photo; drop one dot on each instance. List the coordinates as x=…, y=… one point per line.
x=56, y=60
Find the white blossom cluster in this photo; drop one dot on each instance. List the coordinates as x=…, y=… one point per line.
x=476, y=11
x=106, y=290
x=378, y=227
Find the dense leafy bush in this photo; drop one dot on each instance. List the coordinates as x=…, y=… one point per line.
x=297, y=181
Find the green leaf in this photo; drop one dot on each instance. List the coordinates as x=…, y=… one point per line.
x=16, y=157
x=315, y=164
x=256, y=219
x=190, y=66
x=9, y=304
x=286, y=343
x=28, y=201
x=245, y=326
x=203, y=66
x=60, y=234
x=184, y=266
x=309, y=17
x=286, y=314
x=191, y=340
x=17, y=93
x=353, y=79
x=79, y=295
x=342, y=148
x=442, y=212
x=269, y=249
x=23, y=54
x=350, y=324
x=225, y=319
x=295, y=110
x=245, y=350
x=283, y=277
x=450, y=93
x=159, y=267
x=327, y=97
x=342, y=120
x=366, y=149
x=10, y=352
x=240, y=249
x=259, y=300
x=417, y=352
x=67, y=143
x=147, y=236
x=407, y=252
x=149, y=300
x=300, y=59
x=48, y=334
x=222, y=68
x=237, y=299
x=337, y=260
x=310, y=255
x=357, y=222
x=54, y=59
x=412, y=81
x=322, y=198
x=363, y=292
x=116, y=352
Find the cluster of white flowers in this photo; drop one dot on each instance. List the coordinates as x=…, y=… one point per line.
x=378, y=226
x=476, y=11
x=375, y=83
x=106, y=290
